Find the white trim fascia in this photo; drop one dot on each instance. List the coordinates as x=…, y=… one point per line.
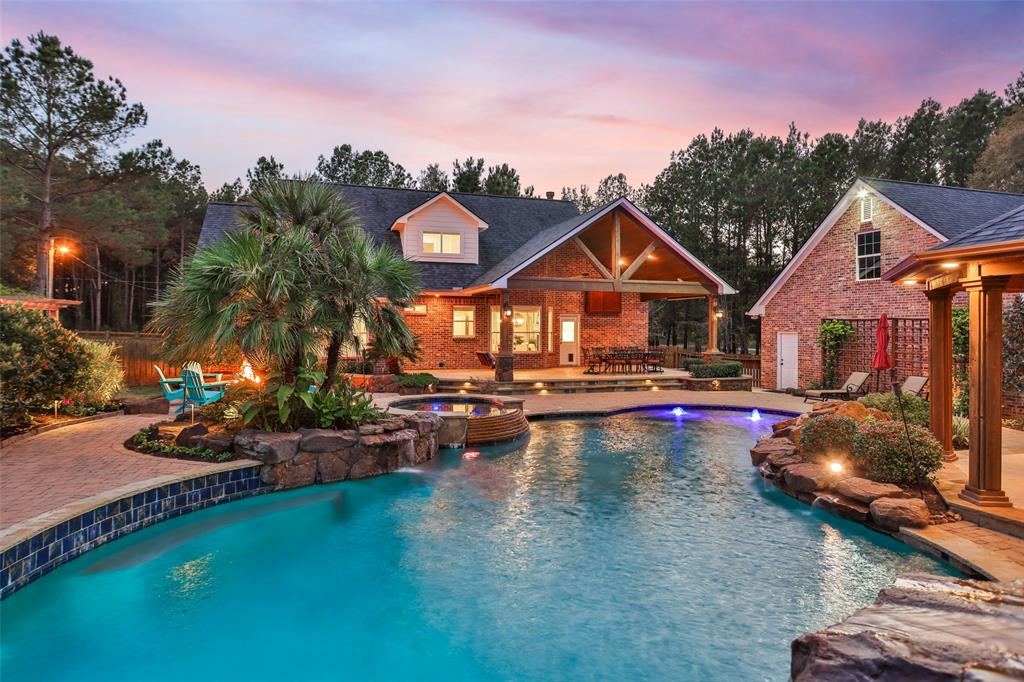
x=758, y=309
x=626, y=204
x=402, y=220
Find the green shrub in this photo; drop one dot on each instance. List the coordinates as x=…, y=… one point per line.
x=102, y=378
x=690, y=363
x=832, y=334
x=146, y=440
x=961, y=431
x=717, y=370
x=916, y=408
x=881, y=451
x=344, y=407
x=416, y=380
x=40, y=362
x=830, y=434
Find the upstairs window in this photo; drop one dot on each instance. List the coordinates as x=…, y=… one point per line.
x=442, y=243
x=463, y=322
x=869, y=255
x=867, y=209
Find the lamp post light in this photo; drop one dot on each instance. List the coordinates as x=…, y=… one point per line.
x=63, y=250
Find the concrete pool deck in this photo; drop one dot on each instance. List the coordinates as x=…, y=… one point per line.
x=62, y=472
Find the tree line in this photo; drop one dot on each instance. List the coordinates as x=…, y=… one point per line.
x=742, y=202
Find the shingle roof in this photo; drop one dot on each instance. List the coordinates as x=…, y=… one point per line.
x=1008, y=227
x=951, y=211
x=512, y=223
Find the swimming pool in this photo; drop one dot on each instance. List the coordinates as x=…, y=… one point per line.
x=642, y=546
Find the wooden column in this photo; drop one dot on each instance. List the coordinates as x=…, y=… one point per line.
x=940, y=366
x=504, y=371
x=984, y=479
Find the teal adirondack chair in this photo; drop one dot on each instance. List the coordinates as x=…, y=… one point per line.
x=171, y=387
x=197, y=393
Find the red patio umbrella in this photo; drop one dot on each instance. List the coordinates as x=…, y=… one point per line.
x=881, y=361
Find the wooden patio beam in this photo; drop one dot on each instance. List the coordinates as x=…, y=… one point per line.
x=639, y=260
x=593, y=258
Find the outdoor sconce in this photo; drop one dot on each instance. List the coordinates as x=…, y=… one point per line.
x=718, y=313
x=507, y=311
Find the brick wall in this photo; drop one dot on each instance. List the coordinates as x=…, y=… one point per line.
x=438, y=348
x=825, y=286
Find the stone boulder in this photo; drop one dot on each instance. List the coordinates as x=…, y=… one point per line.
x=267, y=447
x=185, y=435
x=866, y=490
x=840, y=505
x=424, y=423
x=806, y=477
x=892, y=514
x=767, y=446
x=924, y=627
x=296, y=472
x=326, y=440
x=219, y=442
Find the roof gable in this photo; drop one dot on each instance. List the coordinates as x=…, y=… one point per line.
x=442, y=197
x=920, y=203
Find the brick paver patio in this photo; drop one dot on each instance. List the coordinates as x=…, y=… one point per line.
x=59, y=467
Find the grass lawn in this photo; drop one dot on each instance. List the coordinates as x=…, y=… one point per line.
x=142, y=392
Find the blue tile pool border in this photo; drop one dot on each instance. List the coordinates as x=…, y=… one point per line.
x=35, y=556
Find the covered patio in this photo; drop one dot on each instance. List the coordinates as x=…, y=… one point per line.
x=987, y=263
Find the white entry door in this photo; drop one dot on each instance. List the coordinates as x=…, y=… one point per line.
x=786, y=360
x=569, y=339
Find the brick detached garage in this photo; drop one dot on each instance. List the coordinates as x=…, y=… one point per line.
x=531, y=281
x=837, y=273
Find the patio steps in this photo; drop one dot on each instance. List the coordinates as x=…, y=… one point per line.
x=595, y=385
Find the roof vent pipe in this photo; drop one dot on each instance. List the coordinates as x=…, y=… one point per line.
x=549, y=195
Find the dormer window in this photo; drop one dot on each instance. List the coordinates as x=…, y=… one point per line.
x=442, y=243
x=867, y=209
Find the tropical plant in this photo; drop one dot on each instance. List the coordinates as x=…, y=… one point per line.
x=289, y=287
x=961, y=431
x=102, y=378
x=915, y=408
x=882, y=451
x=147, y=440
x=344, y=407
x=719, y=369
x=830, y=434
x=40, y=362
x=832, y=334
x=279, y=402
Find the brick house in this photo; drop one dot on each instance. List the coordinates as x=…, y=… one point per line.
x=837, y=274
x=530, y=280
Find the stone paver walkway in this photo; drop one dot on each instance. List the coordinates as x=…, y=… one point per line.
x=59, y=467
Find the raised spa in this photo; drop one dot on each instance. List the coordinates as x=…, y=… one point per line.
x=470, y=420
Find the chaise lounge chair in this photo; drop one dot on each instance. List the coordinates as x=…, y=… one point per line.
x=851, y=388
x=914, y=385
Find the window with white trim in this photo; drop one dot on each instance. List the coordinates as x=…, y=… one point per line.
x=867, y=209
x=442, y=243
x=463, y=322
x=525, y=329
x=551, y=329
x=869, y=255
x=415, y=309
x=362, y=339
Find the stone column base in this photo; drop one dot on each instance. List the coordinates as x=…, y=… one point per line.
x=504, y=371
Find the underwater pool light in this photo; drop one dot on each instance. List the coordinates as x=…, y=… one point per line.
x=470, y=454
x=678, y=411
x=755, y=416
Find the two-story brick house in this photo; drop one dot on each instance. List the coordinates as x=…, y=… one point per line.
x=837, y=274
x=532, y=281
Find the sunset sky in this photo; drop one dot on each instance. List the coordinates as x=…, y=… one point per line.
x=566, y=93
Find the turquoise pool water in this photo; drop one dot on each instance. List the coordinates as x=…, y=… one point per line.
x=637, y=547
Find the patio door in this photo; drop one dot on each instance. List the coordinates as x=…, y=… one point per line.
x=569, y=339
x=786, y=375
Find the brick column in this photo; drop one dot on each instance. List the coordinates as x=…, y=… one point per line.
x=940, y=367
x=504, y=370
x=984, y=479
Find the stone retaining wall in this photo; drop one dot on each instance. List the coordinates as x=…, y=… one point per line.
x=292, y=460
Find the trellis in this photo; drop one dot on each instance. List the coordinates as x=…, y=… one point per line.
x=908, y=349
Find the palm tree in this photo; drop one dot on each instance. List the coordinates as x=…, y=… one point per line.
x=289, y=287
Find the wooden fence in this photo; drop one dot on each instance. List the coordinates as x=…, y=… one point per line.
x=676, y=355
x=138, y=353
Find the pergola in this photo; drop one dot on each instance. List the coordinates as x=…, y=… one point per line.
x=51, y=306
x=986, y=262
